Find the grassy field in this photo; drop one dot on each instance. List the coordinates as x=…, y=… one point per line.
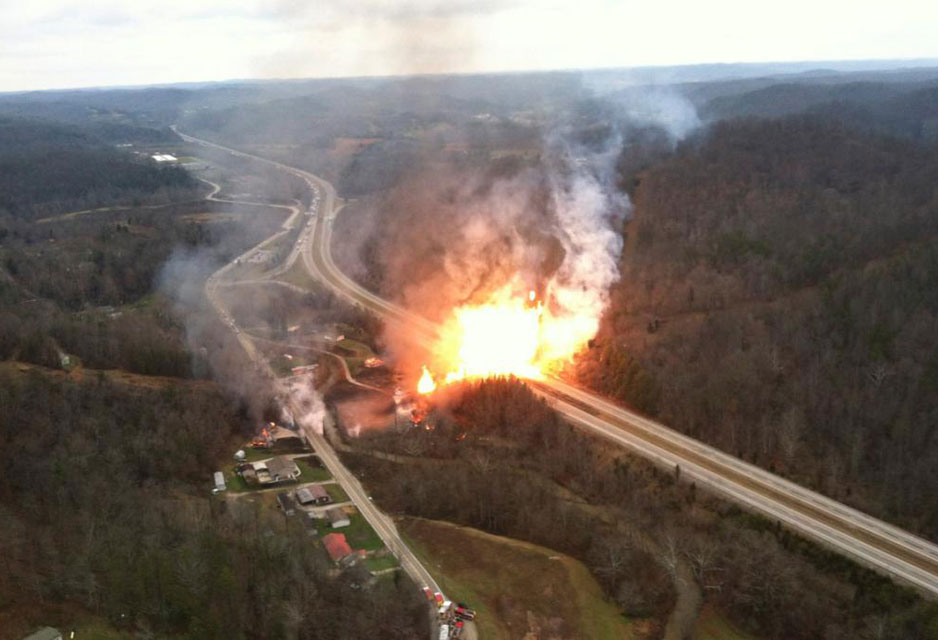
x=354, y=353
x=311, y=473
x=299, y=276
x=711, y=625
x=374, y=563
x=360, y=349
x=360, y=535
x=308, y=473
x=512, y=584
x=336, y=492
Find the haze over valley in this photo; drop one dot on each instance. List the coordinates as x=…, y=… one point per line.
x=434, y=327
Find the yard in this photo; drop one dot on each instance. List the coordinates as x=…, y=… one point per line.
x=336, y=492
x=354, y=353
x=309, y=466
x=514, y=586
x=360, y=535
x=380, y=563
x=711, y=625
x=311, y=470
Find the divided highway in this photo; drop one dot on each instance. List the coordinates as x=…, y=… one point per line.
x=381, y=523
x=872, y=542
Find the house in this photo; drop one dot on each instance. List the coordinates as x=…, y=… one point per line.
x=286, y=503
x=286, y=440
x=313, y=494
x=337, y=517
x=281, y=469
x=46, y=633
x=337, y=547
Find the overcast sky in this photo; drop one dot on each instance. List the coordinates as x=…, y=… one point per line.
x=73, y=43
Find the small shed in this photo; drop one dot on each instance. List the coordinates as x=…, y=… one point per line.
x=286, y=503
x=337, y=517
x=220, y=481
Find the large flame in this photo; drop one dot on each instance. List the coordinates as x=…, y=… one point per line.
x=426, y=383
x=509, y=334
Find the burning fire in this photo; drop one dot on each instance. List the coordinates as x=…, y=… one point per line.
x=426, y=383
x=510, y=334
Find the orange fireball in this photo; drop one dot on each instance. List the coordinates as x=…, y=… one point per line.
x=426, y=384
x=510, y=334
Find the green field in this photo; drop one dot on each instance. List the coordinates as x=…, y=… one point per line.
x=299, y=276
x=360, y=535
x=360, y=349
x=374, y=563
x=516, y=579
x=711, y=625
x=310, y=473
x=336, y=492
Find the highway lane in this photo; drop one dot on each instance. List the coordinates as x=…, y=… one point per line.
x=875, y=543
x=872, y=542
x=381, y=523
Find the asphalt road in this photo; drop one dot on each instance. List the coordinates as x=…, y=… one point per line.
x=381, y=523
x=872, y=542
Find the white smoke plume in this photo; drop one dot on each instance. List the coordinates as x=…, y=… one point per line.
x=460, y=234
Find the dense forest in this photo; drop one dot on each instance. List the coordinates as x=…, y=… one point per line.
x=799, y=254
x=48, y=167
x=82, y=455
x=500, y=460
x=777, y=299
x=110, y=430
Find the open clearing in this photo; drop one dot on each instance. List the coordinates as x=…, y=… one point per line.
x=517, y=588
x=713, y=626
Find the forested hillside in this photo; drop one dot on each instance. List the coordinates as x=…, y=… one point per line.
x=109, y=430
x=48, y=168
x=777, y=299
x=103, y=505
x=904, y=109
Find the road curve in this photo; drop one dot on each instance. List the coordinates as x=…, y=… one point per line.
x=872, y=542
x=884, y=547
x=381, y=523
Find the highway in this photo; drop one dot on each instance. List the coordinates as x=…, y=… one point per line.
x=883, y=547
x=876, y=544
x=381, y=523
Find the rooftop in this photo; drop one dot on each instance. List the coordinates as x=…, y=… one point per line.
x=281, y=468
x=336, y=546
x=311, y=493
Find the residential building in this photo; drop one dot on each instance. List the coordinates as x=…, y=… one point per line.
x=337, y=547
x=337, y=517
x=281, y=469
x=313, y=494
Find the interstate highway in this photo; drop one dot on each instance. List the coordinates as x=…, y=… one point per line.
x=381, y=523
x=904, y=556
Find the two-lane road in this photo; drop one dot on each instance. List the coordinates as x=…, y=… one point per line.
x=872, y=542
x=875, y=543
x=381, y=523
